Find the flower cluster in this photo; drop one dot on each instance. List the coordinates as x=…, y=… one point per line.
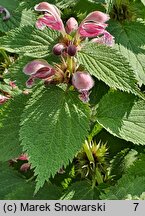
x=69, y=72
x=25, y=166
x=8, y=89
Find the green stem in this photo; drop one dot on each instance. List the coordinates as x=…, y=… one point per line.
x=30, y=179
x=97, y=178
x=5, y=56
x=70, y=64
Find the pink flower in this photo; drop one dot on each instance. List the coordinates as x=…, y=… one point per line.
x=38, y=69
x=71, y=25
x=82, y=81
x=3, y=99
x=51, y=17
x=107, y=39
x=12, y=84
x=93, y=25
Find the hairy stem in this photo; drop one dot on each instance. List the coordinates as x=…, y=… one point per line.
x=70, y=64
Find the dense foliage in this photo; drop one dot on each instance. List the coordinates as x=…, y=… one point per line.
x=72, y=101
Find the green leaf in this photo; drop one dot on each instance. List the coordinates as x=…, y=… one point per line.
x=30, y=41
x=54, y=127
x=127, y=185
x=87, y=7
x=143, y=1
x=109, y=66
x=61, y=4
x=123, y=115
x=81, y=190
x=141, y=197
x=64, y=3
x=121, y=162
x=137, y=169
x=97, y=92
x=9, y=180
x=10, y=5
x=25, y=191
x=19, y=17
x=130, y=41
x=14, y=186
x=10, y=115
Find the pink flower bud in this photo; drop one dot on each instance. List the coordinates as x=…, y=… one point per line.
x=58, y=49
x=25, y=167
x=3, y=99
x=71, y=25
x=23, y=157
x=82, y=81
x=93, y=25
x=6, y=12
x=51, y=18
x=71, y=50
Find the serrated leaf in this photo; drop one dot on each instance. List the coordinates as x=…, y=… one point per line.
x=20, y=17
x=14, y=186
x=10, y=115
x=109, y=66
x=10, y=5
x=87, y=7
x=54, y=127
x=130, y=41
x=30, y=41
x=137, y=169
x=123, y=115
x=127, y=185
x=65, y=3
x=25, y=191
x=81, y=190
x=61, y=4
x=121, y=162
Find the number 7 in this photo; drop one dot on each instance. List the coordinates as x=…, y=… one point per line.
x=136, y=205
